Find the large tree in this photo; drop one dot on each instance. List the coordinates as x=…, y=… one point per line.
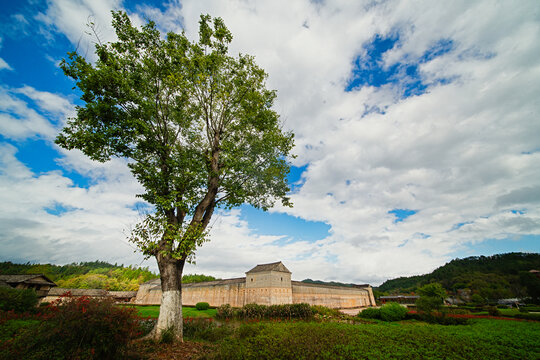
x=197, y=128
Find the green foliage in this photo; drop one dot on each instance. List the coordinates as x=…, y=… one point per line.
x=225, y=312
x=204, y=329
x=493, y=311
x=431, y=297
x=257, y=312
x=485, y=339
x=331, y=283
x=197, y=278
x=202, y=306
x=528, y=316
x=79, y=328
x=492, y=277
x=478, y=300
x=370, y=313
x=393, y=312
x=194, y=121
x=18, y=300
x=326, y=311
x=86, y=275
x=167, y=336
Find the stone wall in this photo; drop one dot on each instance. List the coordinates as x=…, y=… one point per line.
x=337, y=297
x=238, y=292
x=215, y=293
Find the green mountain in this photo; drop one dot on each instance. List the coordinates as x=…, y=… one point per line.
x=492, y=277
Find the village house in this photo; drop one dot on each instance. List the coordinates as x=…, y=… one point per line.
x=40, y=283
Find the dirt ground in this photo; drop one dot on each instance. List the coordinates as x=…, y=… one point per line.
x=188, y=350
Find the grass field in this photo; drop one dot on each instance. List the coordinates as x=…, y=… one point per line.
x=484, y=339
x=153, y=311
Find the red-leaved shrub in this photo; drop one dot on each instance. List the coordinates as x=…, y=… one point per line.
x=77, y=328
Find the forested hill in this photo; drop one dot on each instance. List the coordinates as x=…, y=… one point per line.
x=497, y=276
x=93, y=275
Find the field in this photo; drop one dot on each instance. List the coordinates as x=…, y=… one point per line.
x=339, y=338
x=484, y=339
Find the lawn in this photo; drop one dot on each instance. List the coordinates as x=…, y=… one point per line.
x=153, y=311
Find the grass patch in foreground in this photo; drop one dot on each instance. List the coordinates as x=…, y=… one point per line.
x=153, y=311
x=485, y=339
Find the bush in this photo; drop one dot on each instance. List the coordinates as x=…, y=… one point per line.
x=493, y=311
x=393, y=312
x=204, y=329
x=258, y=312
x=202, y=306
x=17, y=300
x=370, y=313
x=325, y=311
x=300, y=311
x=81, y=328
x=225, y=312
x=528, y=316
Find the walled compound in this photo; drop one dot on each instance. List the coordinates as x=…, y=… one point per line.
x=266, y=284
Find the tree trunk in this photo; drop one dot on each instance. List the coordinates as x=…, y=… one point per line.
x=170, y=311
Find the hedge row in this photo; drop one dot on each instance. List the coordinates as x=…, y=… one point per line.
x=256, y=311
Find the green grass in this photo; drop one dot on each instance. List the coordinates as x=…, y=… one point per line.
x=485, y=339
x=153, y=311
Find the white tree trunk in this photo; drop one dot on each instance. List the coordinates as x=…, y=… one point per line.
x=170, y=315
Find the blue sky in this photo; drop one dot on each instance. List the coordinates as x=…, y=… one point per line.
x=416, y=124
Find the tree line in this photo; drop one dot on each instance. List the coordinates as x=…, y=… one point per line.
x=94, y=275
x=492, y=277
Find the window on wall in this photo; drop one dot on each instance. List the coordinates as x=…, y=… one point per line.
x=251, y=279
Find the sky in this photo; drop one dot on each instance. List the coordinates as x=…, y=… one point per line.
x=417, y=136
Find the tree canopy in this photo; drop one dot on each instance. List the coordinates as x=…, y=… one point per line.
x=196, y=125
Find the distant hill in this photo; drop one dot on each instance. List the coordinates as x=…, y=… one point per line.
x=93, y=275
x=492, y=277
x=332, y=283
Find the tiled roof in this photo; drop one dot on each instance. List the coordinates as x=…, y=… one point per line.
x=277, y=266
x=77, y=292
x=29, y=279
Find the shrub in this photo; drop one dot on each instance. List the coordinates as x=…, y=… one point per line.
x=431, y=297
x=325, y=311
x=393, y=312
x=225, y=312
x=301, y=311
x=204, y=329
x=81, y=328
x=202, y=306
x=253, y=311
x=493, y=311
x=528, y=316
x=370, y=313
x=257, y=312
x=17, y=300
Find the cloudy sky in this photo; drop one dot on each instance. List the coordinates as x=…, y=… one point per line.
x=417, y=130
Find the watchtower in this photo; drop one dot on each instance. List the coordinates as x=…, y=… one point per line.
x=269, y=284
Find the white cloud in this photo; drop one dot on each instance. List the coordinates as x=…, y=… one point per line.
x=19, y=121
x=464, y=152
x=4, y=65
